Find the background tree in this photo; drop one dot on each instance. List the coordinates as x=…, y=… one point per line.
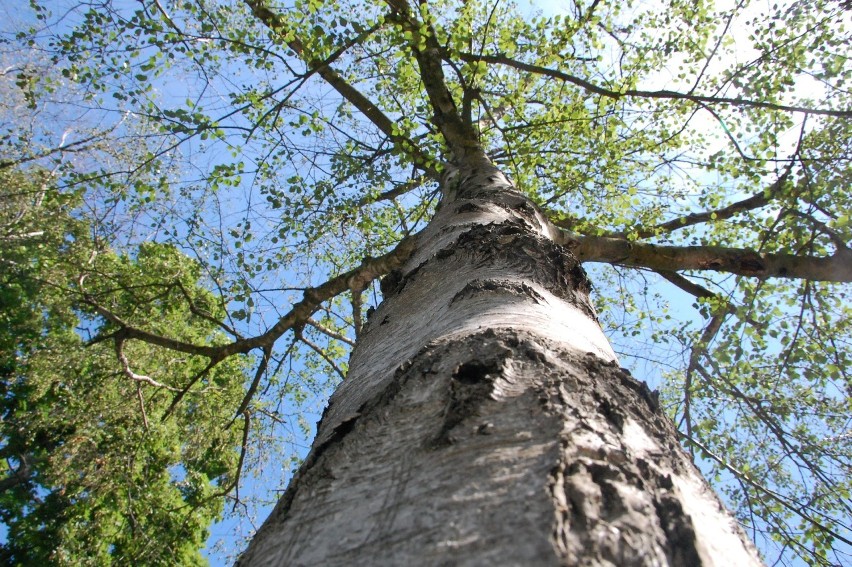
x=688, y=147
x=91, y=478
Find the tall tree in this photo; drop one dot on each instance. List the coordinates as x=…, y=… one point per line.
x=692, y=147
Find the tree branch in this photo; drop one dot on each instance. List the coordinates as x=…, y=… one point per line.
x=695, y=354
x=21, y=475
x=459, y=134
x=663, y=94
x=125, y=366
x=760, y=487
x=326, y=331
x=280, y=28
x=316, y=348
x=357, y=278
x=687, y=285
x=391, y=194
x=754, y=202
x=744, y=262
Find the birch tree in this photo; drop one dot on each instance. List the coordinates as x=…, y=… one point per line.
x=536, y=192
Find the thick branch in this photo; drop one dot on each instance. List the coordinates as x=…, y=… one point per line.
x=663, y=94
x=357, y=278
x=279, y=27
x=459, y=134
x=687, y=285
x=24, y=473
x=744, y=262
x=130, y=332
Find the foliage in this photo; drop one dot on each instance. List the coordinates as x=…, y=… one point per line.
x=289, y=148
x=95, y=476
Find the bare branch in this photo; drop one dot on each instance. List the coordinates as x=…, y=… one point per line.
x=316, y=348
x=243, y=449
x=686, y=285
x=261, y=368
x=326, y=331
x=125, y=365
x=391, y=194
x=141, y=399
x=698, y=350
x=79, y=145
x=176, y=400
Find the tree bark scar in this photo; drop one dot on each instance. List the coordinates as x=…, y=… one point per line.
x=537, y=259
x=392, y=283
x=611, y=413
x=497, y=286
x=680, y=533
x=340, y=431
x=468, y=207
x=471, y=383
x=753, y=264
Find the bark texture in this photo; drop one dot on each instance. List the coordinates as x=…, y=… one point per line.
x=485, y=420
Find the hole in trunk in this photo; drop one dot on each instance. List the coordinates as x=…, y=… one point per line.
x=472, y=372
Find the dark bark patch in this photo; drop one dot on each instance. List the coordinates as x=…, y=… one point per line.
x=651, y=397
x=752, y=265
x=513, y=245
x=339, y=432
x=392, y=283
x=471, y=384
x=611, y=413
x=535, y=354
x=474, y=372
x=468, y=207
x=680, y=533
x=477, y=287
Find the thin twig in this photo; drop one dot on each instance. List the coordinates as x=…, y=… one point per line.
x=324, y=356
x=326, y=331
x=125, y=365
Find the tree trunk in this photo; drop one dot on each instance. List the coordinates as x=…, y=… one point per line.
x=485, y=420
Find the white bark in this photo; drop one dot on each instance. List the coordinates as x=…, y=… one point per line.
x=485, y=420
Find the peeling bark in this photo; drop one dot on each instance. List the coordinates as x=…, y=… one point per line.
x=485, y=420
